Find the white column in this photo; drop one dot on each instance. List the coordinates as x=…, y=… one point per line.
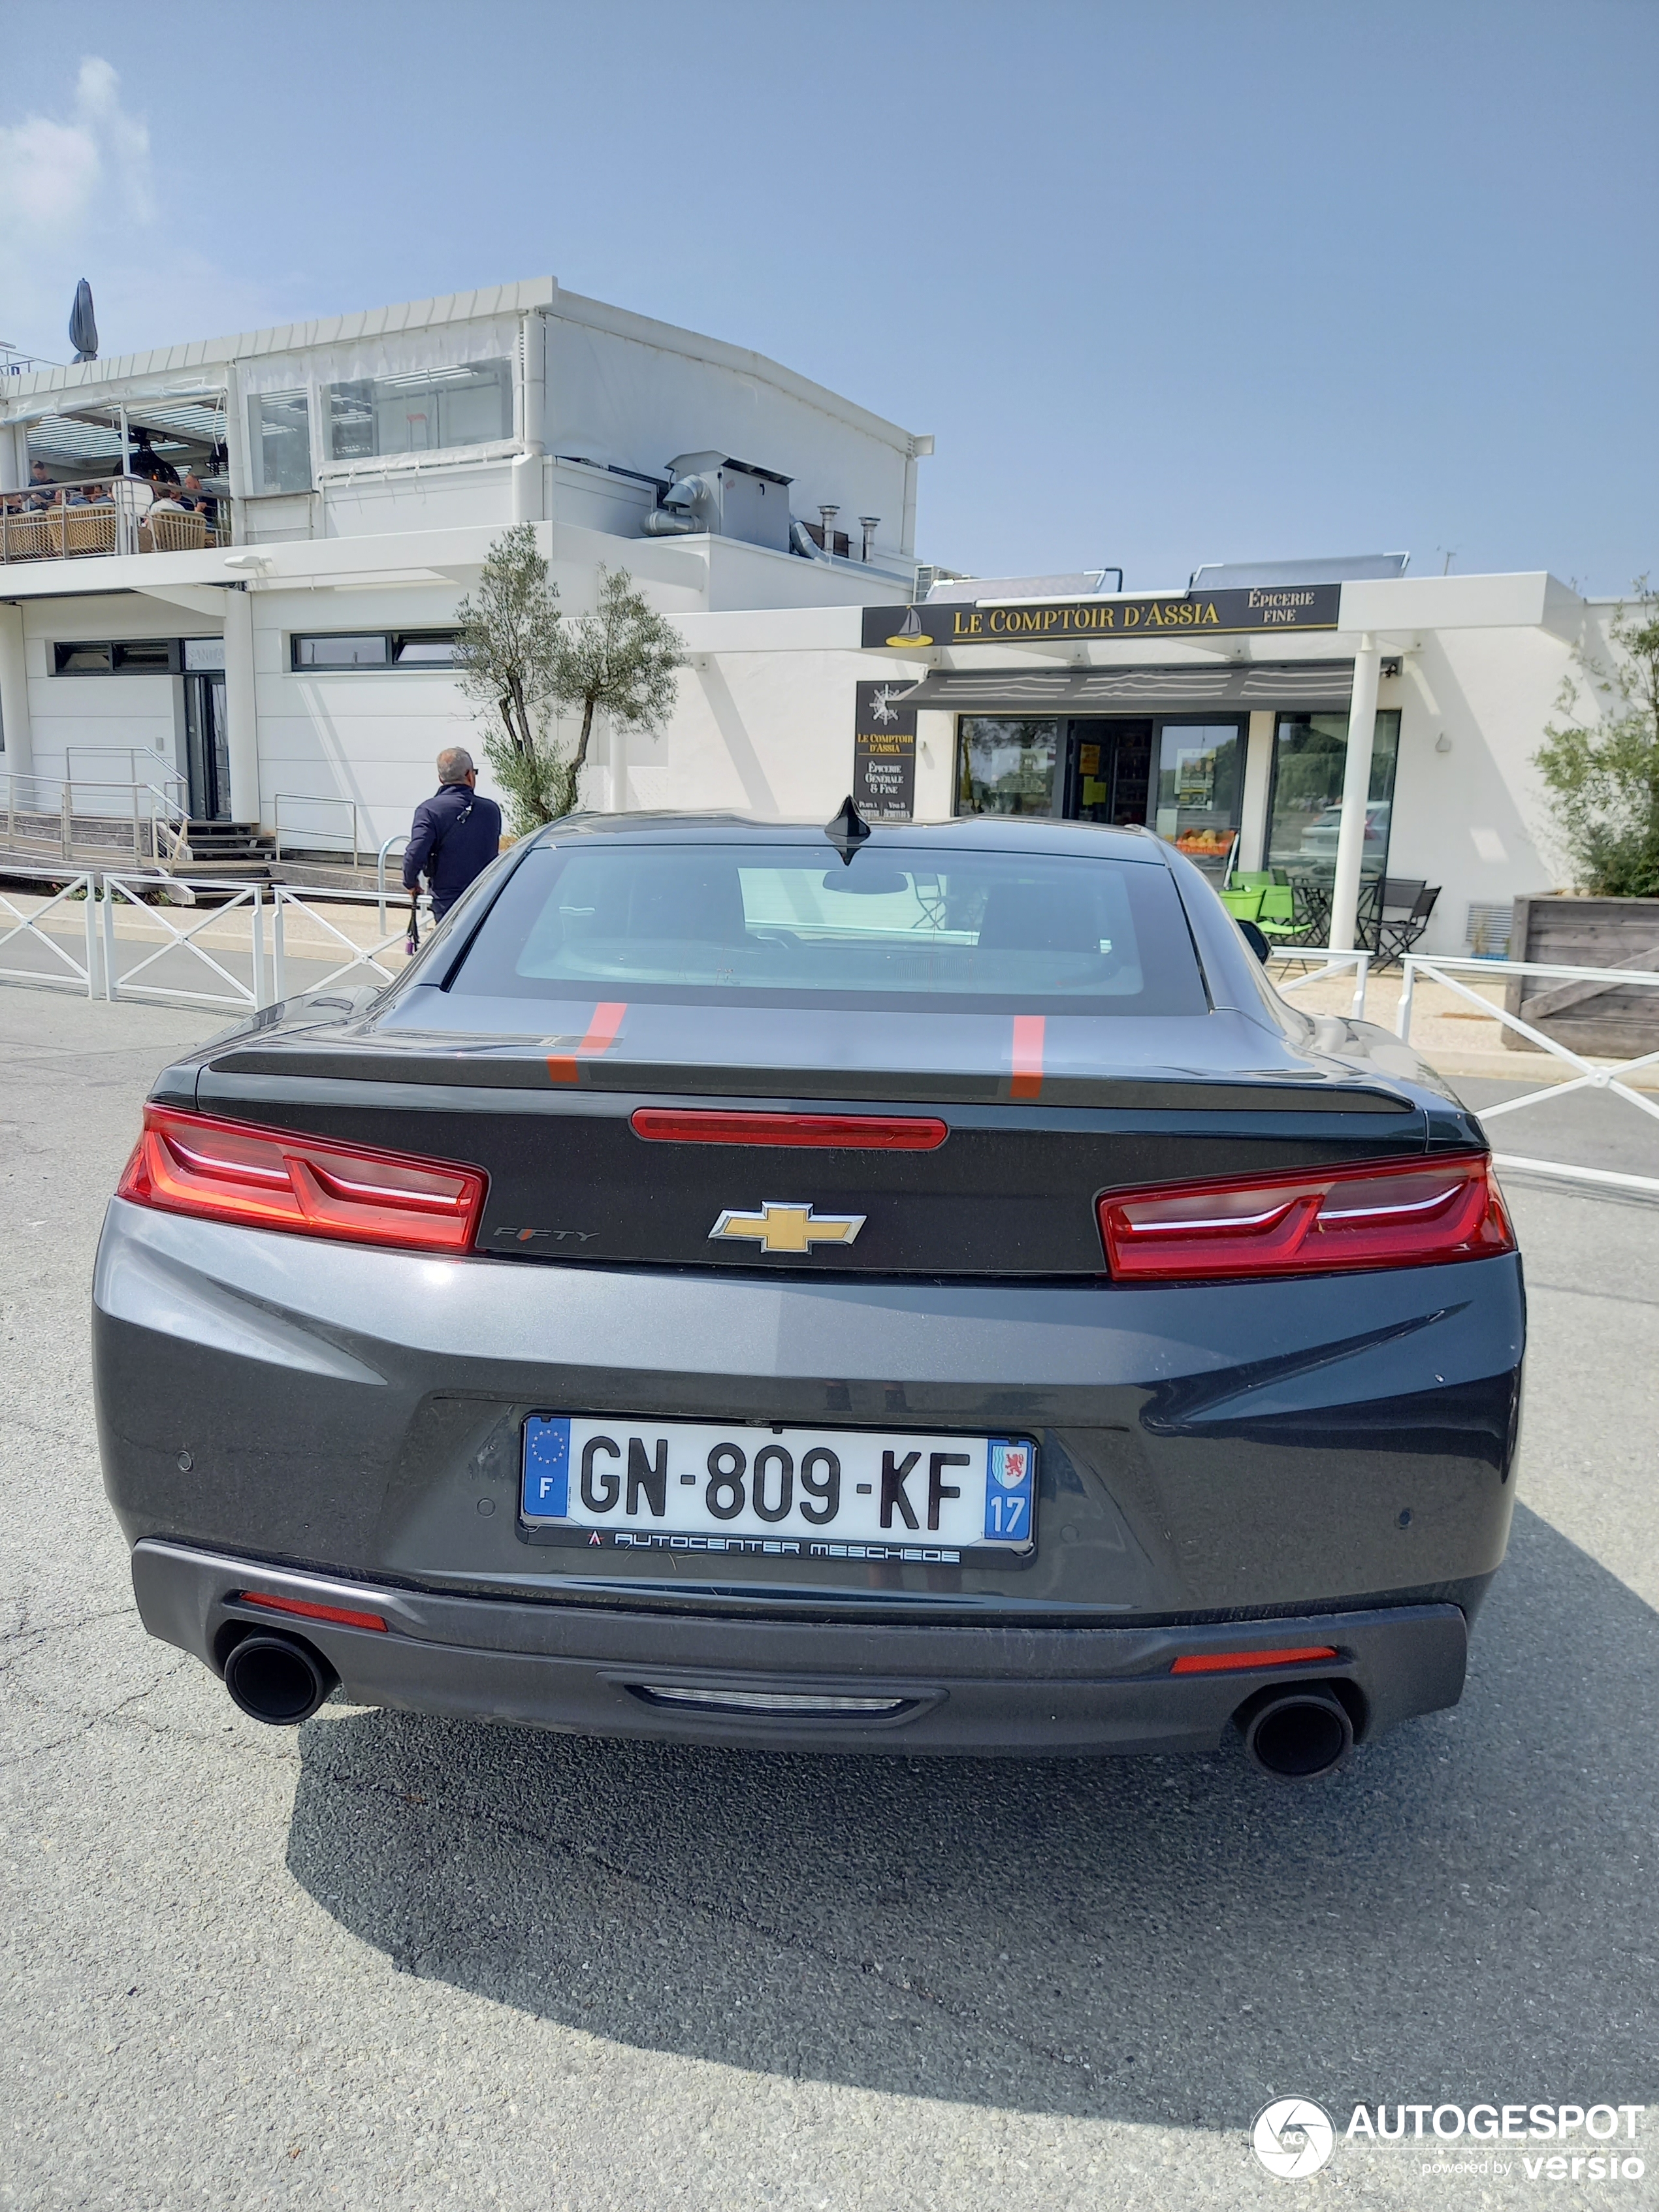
x=1356, y=795
x=242, y=714
x=16, y=724
x=528, y=469
x=1258, y=777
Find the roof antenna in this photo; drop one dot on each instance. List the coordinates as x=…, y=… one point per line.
x=847, y=831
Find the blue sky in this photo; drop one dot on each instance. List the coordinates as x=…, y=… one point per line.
x=1168, y=283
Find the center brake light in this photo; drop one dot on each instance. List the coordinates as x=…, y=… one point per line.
x=851, y=1132
x=1408, y=1213
x=277, y=1179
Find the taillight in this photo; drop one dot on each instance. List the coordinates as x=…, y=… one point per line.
x=275, y=1179
x=1313, y=1221
x=851, y=1132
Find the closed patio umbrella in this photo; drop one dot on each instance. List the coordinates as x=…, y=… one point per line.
x=83, y=325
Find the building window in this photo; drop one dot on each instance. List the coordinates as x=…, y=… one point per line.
x=279, y=440
x=153, y=656
x=433, y=410
x=79, y=658
x=1199, y=776
x=125, y=656
x=1304, y=810
x=204, y=653
x=1005, y=763
x=403, y=649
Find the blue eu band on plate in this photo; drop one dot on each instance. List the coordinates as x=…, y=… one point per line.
x=809, y=1494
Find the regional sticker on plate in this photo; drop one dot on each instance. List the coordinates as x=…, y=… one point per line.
x=796, y=1493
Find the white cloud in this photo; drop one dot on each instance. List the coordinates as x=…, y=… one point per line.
x=66, y=185
x=79, y=196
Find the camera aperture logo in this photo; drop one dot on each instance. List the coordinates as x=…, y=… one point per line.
x=1292, y=2137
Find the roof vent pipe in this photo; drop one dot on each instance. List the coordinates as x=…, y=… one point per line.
x=676, y=516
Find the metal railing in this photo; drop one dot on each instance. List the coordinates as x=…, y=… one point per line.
x=63, y=972
x=138, y=893
x=117, y=522
x=241, y=951
x=50, y=817
x=329, y=839
x=1330, y=963
x=397, y=837
x=1592, y=1075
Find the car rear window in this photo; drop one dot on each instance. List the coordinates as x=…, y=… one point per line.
x=791, y=923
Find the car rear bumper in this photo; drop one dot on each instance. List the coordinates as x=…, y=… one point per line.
x=963, y=1688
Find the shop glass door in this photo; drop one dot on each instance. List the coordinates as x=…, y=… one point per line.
x=1110, y=767
x=1199, y=784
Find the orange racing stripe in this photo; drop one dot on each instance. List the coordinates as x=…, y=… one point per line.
x=601, y=1033
x=1028, y=1057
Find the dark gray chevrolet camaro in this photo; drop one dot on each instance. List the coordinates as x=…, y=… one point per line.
x=916, y=1288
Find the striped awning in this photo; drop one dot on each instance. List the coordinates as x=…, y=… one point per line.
x=1307, y=685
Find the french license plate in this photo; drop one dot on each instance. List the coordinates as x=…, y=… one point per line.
x=792, y=1494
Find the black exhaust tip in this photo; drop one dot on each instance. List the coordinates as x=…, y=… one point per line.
x=277, y=1678
x=1298, y=1735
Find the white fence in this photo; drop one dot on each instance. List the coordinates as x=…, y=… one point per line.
x=214, y=945
x=1592, y=1075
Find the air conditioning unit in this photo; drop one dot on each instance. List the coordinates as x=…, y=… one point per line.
x=728, y=498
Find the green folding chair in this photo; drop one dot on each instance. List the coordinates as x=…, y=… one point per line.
x=1277, y=919
x=1243, y=905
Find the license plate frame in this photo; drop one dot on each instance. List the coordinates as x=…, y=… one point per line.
x=609, y=1484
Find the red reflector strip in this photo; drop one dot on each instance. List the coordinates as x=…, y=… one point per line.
x=1028, y=1056
x=276, y=1179
x=1232, y=1662
x=1308, y=1221
x=601, y=1034
x=304, y=1610
x=851, y=1133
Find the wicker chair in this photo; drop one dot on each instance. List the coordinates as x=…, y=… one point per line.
x=173, y=533
x=84, y=530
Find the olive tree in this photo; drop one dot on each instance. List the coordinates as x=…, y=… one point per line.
x=509, y=660
x=1603, y=773
x=621, y=659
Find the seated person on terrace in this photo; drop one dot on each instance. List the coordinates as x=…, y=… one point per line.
x=193, y=495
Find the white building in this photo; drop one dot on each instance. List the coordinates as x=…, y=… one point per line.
x=282, y=655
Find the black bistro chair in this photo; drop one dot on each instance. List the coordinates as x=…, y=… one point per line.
x=1398, y=913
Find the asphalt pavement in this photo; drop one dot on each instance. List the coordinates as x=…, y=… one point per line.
x=389, y=1961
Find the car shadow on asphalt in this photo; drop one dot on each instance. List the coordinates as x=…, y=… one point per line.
x=1464, y=1914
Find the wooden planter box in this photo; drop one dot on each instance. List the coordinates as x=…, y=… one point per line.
x=1598, y=1019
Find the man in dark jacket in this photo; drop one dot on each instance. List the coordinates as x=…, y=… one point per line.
x=455, y=833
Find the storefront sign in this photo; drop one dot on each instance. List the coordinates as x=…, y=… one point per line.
x=883, y=754
x=1203, y=614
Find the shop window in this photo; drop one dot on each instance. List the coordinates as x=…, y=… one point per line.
x=433, y=410
x=1311, y=754
x=1199, y=784
x=279, y=440
x=1005, y=763
x=206, y=653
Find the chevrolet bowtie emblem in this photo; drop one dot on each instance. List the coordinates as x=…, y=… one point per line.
x=780, y=1227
